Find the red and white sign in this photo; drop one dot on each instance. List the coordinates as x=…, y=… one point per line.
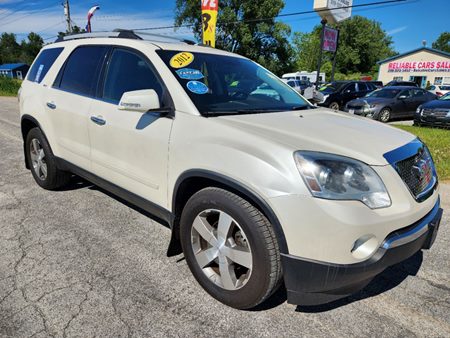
x=330, y=39
x=419, y=66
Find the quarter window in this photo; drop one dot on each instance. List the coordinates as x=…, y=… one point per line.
x=81, y=72
x=128, y=71
x=42, y=65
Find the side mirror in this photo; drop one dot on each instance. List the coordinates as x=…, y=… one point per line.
x=402, y=97
x=140, y=101
x=347, y=91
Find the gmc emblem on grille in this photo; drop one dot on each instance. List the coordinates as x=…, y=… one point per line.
x=423, y=171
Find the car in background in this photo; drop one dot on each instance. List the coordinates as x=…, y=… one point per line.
x=401, y=83
x=390, y=102
x=439, y=90
x=335, y=95
x=377, y=84
x=434, y=113
x=299, y=85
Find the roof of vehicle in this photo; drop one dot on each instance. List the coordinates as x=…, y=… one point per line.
x=401, y=87
x=133, y=38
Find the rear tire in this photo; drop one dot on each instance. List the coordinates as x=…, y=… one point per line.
x=43, y=163
x=230, y=248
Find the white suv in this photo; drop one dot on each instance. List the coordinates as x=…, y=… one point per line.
x=259, y=187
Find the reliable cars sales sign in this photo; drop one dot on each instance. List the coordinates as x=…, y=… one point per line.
x=419, y=66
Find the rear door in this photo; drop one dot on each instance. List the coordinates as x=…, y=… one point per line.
x=130, y=148
x=419, y=96
x=69, y=100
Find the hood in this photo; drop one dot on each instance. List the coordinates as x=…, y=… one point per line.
x=326, y=131
x=437, y=104
x=371, y=100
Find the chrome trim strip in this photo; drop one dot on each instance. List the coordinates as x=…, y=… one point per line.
x=406, y=151
x=414, y=233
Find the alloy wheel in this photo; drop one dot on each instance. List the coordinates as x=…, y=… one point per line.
x=221, y=249
x=38, y=160
x=385, y=115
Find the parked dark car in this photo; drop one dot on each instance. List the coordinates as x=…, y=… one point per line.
x=337, y=94
x=401, y=83
x=377, y=84
x=434, y=113
x=390, y=102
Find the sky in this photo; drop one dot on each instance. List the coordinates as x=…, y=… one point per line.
x=409, y=22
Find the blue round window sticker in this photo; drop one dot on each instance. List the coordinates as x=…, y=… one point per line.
x=197, y=87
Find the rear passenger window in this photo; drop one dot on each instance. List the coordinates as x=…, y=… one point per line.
x=128, y=71
x=41, y=66
x=81, y=72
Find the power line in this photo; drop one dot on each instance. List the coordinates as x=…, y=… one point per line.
x=278, y=16
x=26, y=15
x=18, y=9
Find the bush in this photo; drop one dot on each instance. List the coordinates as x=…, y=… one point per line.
x=8, y=86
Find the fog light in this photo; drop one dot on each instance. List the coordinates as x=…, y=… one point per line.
x=365, y=246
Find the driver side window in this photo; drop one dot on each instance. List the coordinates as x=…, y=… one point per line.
x=405, y=93
x=128, y=71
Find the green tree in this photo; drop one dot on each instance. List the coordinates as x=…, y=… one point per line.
x=30, y=49
x=241, y=30
x=75, y=30
x=362, y=42
x=442, y=42
x=9, y=48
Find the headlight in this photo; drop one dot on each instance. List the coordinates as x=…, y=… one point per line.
x=341, y=178
x=418, y=110
x=372, y=105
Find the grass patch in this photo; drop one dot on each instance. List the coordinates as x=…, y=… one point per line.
x=438, y=141
x=8, y=86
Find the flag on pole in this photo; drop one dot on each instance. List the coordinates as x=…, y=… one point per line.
x=89, y=16
x=209, y=21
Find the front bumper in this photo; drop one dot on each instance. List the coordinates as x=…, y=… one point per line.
x=431, y=120
x=310, y=282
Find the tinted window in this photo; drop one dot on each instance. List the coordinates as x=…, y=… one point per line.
x=351, y=87
x=363, y=87
x=43, y=63
x=81, y=72
x=406, y=93
x=418, y=93
x=128, y=71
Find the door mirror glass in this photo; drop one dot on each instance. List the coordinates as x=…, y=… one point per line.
x=140, y=101
x=402, y=97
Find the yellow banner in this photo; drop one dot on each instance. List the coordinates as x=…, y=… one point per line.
x=209, y=21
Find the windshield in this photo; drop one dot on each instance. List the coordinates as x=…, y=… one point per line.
x=445, y=97
x=219, y=84
x=444, y=87
x=384, y=93
x=331, y=87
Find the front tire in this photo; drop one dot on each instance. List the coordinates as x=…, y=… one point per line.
x=42, y=162
x=385, y=115
x=334, y=106
x=230, y=248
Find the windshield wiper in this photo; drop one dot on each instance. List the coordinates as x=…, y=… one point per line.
x=303, y=107
x=242, y=111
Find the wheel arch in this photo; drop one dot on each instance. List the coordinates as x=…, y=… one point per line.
x=194, y=180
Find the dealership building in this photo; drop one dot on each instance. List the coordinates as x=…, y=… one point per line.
x=422, y=66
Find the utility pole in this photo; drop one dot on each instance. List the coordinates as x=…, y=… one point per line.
x=319, y=62
x=67, y=14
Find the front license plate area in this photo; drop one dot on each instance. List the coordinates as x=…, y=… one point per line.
x=433, y=228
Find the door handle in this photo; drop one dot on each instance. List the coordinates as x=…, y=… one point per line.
x=98, y=120
x=51, y=105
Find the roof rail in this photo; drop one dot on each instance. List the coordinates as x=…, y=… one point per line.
x=125, y=34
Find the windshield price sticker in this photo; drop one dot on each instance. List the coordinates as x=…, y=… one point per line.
x=181, y=60
x=38, y=74
x=189, y=74
x=197, y=87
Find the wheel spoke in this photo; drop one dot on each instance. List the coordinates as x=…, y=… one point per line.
x=44, y=170
x=239, y=255
x=205, y=257
x=223, y=228
x=41, y=154
x=35, y=146
x=204, y=230
x=226, y=274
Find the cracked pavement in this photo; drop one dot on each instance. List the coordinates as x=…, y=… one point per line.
x=79, y=263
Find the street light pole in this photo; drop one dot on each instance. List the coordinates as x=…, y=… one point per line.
x=319, y=62
x=67, y=14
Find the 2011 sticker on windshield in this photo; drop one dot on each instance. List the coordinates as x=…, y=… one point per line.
x=181, y=60
x=197, y=87
x=189, y=74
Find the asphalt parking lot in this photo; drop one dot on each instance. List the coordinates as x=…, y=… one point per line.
x=80, y=263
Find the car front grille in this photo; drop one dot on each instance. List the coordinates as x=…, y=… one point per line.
x=356, y=107
x=435, y=112
x=418, y=173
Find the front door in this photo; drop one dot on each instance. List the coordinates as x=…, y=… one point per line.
x=128, y=148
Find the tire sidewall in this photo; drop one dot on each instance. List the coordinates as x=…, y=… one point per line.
x=256, y=287
x=334, y=103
